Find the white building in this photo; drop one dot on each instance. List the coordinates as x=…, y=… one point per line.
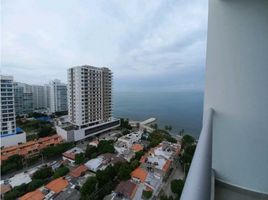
x=57, y=96
x=39, y=96
x=10, y=135
x=89, y=103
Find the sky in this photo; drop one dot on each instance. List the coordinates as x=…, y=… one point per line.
x=150, y=45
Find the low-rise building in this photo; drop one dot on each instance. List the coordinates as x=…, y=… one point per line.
x=126, y=190
x=70, y=154
x=78, y=171
x=30, y=148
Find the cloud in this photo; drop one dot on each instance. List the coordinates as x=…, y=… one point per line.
x=155, y=43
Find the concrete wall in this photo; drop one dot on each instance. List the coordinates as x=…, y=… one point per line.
x=11, y=140
x=237, y=88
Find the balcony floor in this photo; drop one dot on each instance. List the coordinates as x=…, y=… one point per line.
x=223, y=192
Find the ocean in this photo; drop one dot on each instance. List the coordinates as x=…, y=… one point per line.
x=181, y=110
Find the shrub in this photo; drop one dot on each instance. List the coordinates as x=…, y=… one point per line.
x=61, y=171
x=177, y=186
x=43, y=173
x=147, y=194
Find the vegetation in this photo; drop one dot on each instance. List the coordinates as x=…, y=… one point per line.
x=34, y=184
x=79, y=158
x=177, y=186
x=158, y=136
x=31, y=137
x=45, y=131
x=16, y=192
x=124, y=123
x=106, y=180
x=32, y=125
x=56, y=150
x=11, y=164
x=139, y=154
x=61, y=171
x=187, y=140
x=168, y=128
x=89, y=187
x=104, y=146
x=147, y=194
x=43, y=173
x=125, y=131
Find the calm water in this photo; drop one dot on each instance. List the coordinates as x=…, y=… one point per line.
x=178, y=109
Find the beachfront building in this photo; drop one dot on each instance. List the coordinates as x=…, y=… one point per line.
x=57, y=96
x=89, y=103
x=10, y=135
x=230, y=160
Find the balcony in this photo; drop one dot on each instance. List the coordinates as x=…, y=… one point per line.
x=201, y=182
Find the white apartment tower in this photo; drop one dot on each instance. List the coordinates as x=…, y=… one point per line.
x=10, y=135
x=89, y=94
x=57, y=96
x=89, y=103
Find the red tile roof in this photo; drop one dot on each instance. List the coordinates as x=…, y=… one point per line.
x=57, y=185
x=140, y=174
x=35, y=195
x=78, y=171
x=127, y=189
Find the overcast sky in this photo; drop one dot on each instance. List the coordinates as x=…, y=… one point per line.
x=149, y=45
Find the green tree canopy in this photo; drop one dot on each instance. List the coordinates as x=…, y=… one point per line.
x=89, y=186
x=187, y=140
x=177, y=186
x=43, y=173
x=147, y=194
x=79, y=158
x=61, y=171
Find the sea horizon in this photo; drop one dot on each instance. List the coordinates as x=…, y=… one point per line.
x=181, y=110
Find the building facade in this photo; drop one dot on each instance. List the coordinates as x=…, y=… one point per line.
x=39, y=97
x=10, y=135
x=23, y=98
x=57, y=96
x=89, y=102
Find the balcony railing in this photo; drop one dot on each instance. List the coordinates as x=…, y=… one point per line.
x=199, y=184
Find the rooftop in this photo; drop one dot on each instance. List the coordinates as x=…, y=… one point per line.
x=35, y=195
x=57, y=185
x=126, y=189
x=140, y=174
x=78, y=171
x=137, y=147
x=72, y=152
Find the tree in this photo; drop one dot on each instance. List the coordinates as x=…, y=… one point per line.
x=79, y=158
x=124, y=171
x=91, y=151
x=89, y=186
x=57, y=150
x=125, y=132
x=164, y=197
x=124, y=123
x=177, y=186
x=105, y=147
x=187, y=140
x=61, y=171
x=46, y=131
x=147, y=194
x=34, y=184
x=139, y=154
x=12, y=163
x=43, y=173
x=103, y=176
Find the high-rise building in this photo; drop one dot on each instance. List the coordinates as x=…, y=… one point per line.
x=231, y=158
x=89, y=102
x=57, y=96
x=23, y=98
x=39, y=96
x=10, y=135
